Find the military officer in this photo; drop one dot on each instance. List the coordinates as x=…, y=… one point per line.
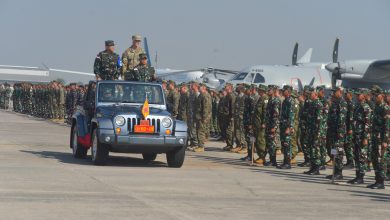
x=142, y=72
x=258, y=118
x=303, y=113
x=229, y=116
x=323, y=124
x=202, y=116
x=378, y=138
x=337, y=130
x=348, y=145
x=130, y=58
x=183, y=113
x=314, y=119
x=238, y=111
x=173, y=100
x=107, y=63
x=194, y=94
x=272, y=120
x=361, y=126
x=287, y=126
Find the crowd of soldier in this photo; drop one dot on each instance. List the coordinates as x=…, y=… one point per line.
x=50, y=101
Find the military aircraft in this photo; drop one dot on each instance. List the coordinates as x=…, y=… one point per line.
x=348, y=73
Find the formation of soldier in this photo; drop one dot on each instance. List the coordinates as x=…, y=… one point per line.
x=50, y=101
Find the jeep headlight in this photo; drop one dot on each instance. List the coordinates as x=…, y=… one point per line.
x=119, y=120
x=166, y=122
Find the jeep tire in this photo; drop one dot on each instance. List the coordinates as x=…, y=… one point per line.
x=175, y=158
x=99, y=151
x=78, y=151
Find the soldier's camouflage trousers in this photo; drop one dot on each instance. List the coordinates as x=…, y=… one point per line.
x=323, y=151
x=248, y=134
x=360, y=155
x=376, y=157
x=271, y=142
x=193, y=138
x=239, y=132
x=222, y=126
x=285, y=140
x=214, y=127
x=314, y=146
x=260, y=143
x=201, y=129
x=336, y=141
x=229, y=132
x=304, y=139
x=348, y=147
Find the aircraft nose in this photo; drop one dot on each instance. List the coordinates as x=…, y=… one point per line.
x=331, y=67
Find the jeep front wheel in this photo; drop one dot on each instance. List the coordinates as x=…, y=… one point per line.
x=99, y=151
x=176, y=158
x=78, y=150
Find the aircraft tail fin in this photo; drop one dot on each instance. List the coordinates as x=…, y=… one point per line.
x=306, y=58
x=295, y=55
x=146, y=48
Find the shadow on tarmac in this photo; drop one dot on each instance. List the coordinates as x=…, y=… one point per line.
x=118, y=161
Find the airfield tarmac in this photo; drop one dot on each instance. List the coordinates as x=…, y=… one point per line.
x=39, y=179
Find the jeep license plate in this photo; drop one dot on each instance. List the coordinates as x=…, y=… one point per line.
x=143, y=129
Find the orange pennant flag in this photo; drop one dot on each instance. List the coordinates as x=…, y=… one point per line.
x=145, y=108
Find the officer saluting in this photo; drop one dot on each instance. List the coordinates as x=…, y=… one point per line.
x=107, y=63
x=142, y=72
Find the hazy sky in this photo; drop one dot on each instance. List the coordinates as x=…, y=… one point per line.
x=191, y=34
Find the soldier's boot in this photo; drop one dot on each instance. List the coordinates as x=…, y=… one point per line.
x=330, y=162
x=300, y=154
x=358, y=180
x=235, y=149
x=349, y=165
x=306, y=163
x=227, y=148
x=338, y=175
x=322, y=167
x=278, y=152
x=286, y=164
x=273, y=161
x=387, y=176
x=243, y=150
x=246, y=158
x=199, y=149
x=314, y=170
x=379, y=183
x=260, y=162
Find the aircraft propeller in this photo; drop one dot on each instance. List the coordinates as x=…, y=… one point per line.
x=334, y=67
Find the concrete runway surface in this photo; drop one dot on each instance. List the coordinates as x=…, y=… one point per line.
x=39, y=179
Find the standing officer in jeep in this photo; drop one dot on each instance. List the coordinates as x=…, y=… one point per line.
x=107, y=63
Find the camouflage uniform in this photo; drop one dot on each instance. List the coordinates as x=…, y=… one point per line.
x=130, y=59
x=229, y=120
x=361, y=131
x=295, y=135
x=314, y=120
x=349, y=119
x=303, y=114
x=250, y=103
x=259, y=119
x=191, y=119
x=377, y=138
x=214, y=127
x=221, y=116
x=323, y=126
x=287, y=122
x=107, y=65
x=337, y=130
x=239, y=107
x=142, y=73
x=173, y=102
x=202, y=116
x=183, y=113
x=272, y=120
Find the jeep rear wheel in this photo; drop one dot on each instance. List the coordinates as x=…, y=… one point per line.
x=78, y=150
x=149, y=157
x=176, y=158
x=99, y=151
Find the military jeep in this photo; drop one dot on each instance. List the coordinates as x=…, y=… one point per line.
x=127, y=117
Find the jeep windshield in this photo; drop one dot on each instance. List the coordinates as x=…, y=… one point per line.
x=130, y=93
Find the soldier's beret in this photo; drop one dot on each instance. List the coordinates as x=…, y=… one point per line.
x=110, y=43
x=171, y=82
x=337, y=88
x=136, y=37
x=375, y=89
x=164, y=81
x=247, y=86
x=310, y=89
x=287, y=87
x=143, y=56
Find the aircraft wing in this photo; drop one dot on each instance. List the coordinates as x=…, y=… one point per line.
x=378, y=70
x=173, y=73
